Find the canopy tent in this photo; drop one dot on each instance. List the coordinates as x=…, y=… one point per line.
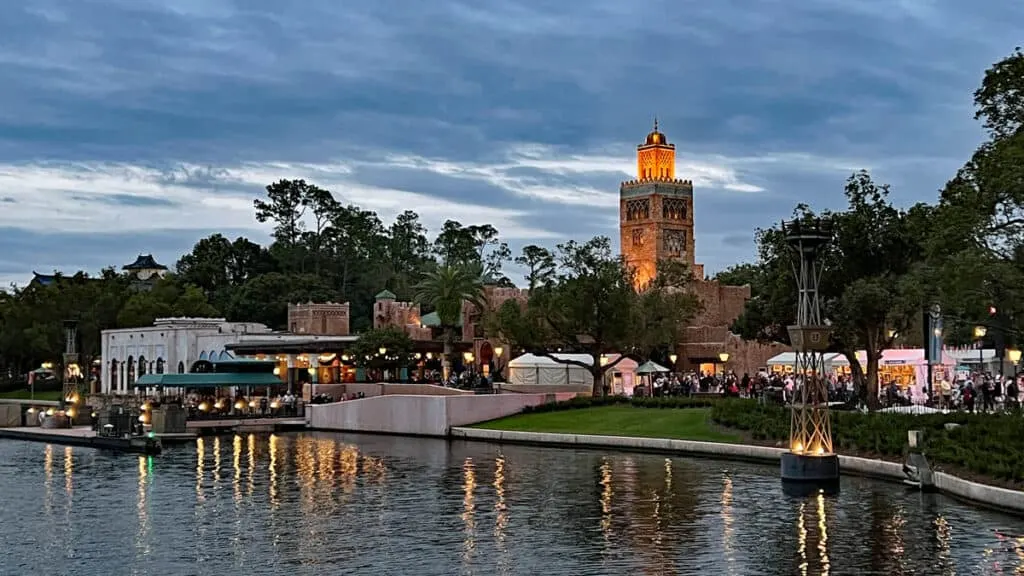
x=908, y=367
x=209, y=380
x=534, y=370
x=651, y=367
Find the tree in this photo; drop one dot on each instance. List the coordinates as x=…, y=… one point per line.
x=539, y=263
x=285, y=205
x=473, y=245
x=322, y=205
x=873, y=287
x=445, y=288
x=168, y=298
x=395, y=342
x=1000, y=99
x=589, y=306
x=219, y=267
x=744, y=274
x=407, y=253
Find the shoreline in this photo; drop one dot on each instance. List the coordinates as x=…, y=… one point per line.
x=983, y=495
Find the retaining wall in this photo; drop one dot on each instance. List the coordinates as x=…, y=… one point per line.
x=420, y=415
x=1000, y=498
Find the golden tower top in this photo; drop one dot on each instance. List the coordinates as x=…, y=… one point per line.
x=656, y=158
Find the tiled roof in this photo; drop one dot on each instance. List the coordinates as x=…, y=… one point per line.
x=144, y=262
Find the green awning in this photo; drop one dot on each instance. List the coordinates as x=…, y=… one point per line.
x=209, y=380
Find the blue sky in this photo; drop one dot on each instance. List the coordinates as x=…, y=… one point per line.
x=131, y=126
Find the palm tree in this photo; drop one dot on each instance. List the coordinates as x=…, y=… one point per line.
x=445, y=288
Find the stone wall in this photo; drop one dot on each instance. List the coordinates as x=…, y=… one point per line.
x=388, y=312
x=319, y=319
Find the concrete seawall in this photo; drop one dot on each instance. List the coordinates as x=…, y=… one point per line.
x=990, y=496
x=420, y=415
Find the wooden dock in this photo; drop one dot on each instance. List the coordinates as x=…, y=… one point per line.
x=85, y=437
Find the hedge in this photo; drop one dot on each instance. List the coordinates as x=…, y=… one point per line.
x=990, y=445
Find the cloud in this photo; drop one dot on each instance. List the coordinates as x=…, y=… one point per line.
x=160, y=120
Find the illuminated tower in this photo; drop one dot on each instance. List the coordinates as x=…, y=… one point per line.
x=656, y=211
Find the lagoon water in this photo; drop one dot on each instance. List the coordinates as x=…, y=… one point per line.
x=318, y=503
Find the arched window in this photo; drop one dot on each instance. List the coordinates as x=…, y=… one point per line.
x=114, y=381
x=159, y=365
x=131, y=371
x=181, y=367
x=142, y=366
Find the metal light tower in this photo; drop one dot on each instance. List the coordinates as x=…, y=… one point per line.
x=810, y=458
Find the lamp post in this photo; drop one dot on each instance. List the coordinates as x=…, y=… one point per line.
x=498, y=352
x=468, y=358
x=1014, y=356
x=723, y=358
x=979, y=335
x=810, y=462
x=672, y=358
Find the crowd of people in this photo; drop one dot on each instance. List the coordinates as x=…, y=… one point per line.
x=980, y=392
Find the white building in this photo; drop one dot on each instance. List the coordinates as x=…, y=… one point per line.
x=170, y=345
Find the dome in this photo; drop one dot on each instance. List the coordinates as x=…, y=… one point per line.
x=655, y=137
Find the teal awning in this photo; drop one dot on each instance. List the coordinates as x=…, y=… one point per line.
x=209, y=380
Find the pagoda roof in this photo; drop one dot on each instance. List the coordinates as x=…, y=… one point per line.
x=385, y=295
x=144, y=262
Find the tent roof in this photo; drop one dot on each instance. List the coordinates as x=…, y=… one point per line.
x=208, y=380
x=651, y=367
x=790, y=358
x=532, y=360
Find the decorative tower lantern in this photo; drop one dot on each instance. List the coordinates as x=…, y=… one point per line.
x=72, y=371
x=810, y=459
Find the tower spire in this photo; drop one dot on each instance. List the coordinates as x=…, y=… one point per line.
x=655, y=122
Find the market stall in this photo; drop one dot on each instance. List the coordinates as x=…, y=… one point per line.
x=835, y=364
x=531, y=372
x=908, y=367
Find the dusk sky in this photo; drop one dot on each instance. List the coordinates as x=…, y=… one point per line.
x=138, y=126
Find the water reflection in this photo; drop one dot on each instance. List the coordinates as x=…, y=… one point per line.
x=727, y=531
x=468, y=510
x=338, y=503
x=500, y=515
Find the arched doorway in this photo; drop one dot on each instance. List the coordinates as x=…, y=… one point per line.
x=487, y=357
x=130, y=381
x=181, y=367
x=114, y=373
x=143, y=367
x=159, y=365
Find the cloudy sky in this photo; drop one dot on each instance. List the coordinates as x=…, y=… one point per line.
x=131, y=126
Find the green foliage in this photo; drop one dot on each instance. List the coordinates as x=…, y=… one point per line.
x=584, y=301
x=985, y=444
x=396, y=344
x=580, y=402
x=445, y=288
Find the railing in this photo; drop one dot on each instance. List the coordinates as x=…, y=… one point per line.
x=294, y=410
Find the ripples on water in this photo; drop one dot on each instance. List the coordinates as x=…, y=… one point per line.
x=343, y=504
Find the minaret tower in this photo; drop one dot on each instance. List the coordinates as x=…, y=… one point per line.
x=656, y=211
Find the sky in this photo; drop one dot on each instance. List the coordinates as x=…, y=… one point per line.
x=141, y=126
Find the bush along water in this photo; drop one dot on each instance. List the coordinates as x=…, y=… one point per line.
x=989, y=445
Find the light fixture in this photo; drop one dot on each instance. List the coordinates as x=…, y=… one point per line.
x=203, y=407
x=980, y=331
x=239, y=405
x=277, y=370
x=467, y=356
x=71, y=412
x=937, y=332
x=893, y=333
x=673, y=357
x=723, y=357
x=1014, y=355
x=418, y=355
x=498, y=351
x=344, y=357
x=430, y=355
x=382, y=350
x=311, y=370
x=604, y=359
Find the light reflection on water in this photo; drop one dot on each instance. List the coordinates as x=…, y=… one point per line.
x=317, y=503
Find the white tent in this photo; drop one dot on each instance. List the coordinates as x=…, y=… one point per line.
x=531, y=370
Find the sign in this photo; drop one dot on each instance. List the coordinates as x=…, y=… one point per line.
x=809, y=338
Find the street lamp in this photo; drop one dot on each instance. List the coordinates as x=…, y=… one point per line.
x=382, y=350
x=979, y=333
x=723, y=357
x=498, y=351
x=672, y=358
x=467, y=356
x=1014, y=356
x=604, y=359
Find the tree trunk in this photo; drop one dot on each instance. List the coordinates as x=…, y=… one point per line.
x=859, y=385
x=597, y=371
x=872, y=380
x=446, y=356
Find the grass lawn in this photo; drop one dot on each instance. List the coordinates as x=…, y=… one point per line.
x=25, y=395
x=681, y=424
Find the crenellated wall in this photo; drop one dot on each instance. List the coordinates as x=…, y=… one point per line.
x=319, y=318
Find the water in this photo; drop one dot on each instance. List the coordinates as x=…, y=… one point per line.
x=347, y=504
